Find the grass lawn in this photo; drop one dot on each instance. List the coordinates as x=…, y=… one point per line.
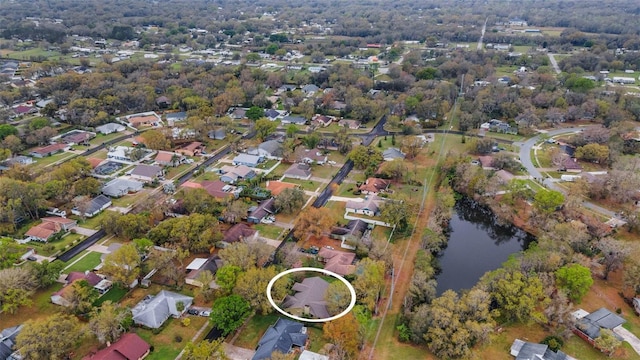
x=42, y=307
x=388, y=346
x=269, y=231
x=346, y=190
x=165, y=343
x=337, y=209
x=92, y=223
x=254, y=329
x=267, y=164
x=337, y=157
x=324, y=171
x=305, y=184
x=100, y=154
x=316, y=339
x=279, y=170
x=99, y=139
x=129, y=199
x=114, y=295
x=178, y=170
x=40, y=163
x=90, y=261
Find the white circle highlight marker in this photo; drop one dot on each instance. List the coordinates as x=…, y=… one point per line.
x=352, y=290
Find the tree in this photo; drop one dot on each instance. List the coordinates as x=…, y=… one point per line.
x=254, y=113
x=196, y=232
x=338, y=297
x=364, y=157
x=227, y=276
x=396, y=212
x=313, y=221
x=6, y=130
x=343, y=139
x=123, y=264
x=251, y=286
x=614, y=253
x=205, y=350
x=235, y=211
x=52, y=337
x=205, y=278
x=411, y=146
x=369, y=282
x=13, y=143
x=548, y=201
x=81, y=297
x=575, y=279
x=607, y=341
x=87, y=186
x=593, y=152
x=343, y=332
x=199, y=201
x=632, y=277
x=264, y=128
x=291, y=131
x=10, y=252
x=246, y=255
x=47, y=273
x=16, y=287
x=311, y=141
x=518, y=296
x=229, y=312
x=154, y=139
x=106, y=322
x=289, y=200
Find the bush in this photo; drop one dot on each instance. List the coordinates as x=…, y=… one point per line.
x=177, y=338
x=186, y=322
x=554, y=342
x=404, y=333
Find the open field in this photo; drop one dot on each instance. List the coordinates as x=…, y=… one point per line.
x=87, y=263
x=253, y=330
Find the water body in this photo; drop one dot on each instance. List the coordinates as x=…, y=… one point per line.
x=476, y=245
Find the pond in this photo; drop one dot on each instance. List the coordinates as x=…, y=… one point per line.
x=476, y=245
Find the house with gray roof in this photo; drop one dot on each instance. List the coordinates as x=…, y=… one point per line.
x=172, y=118
x=370, y=206
x=217, y=134
x=247, y=160
x=153, y=312
x=283, y=336
x=271, y=149
x=95, y=206
x=524, y=350
x=110, y=128
x=231, y=174
x=309, y=298
x=146, y=173
x=272, y=114
x=256, y=214
x=310, y=89
x=8, y=341
x=120, y=187
x=298, y=171
x=298, y=120
x=588, y=326
x=392, y=154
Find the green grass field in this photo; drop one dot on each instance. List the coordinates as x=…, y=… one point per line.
x=305, y=184
x=114, y=295
x=254, y=329
x=90, y=261
x=269, y=231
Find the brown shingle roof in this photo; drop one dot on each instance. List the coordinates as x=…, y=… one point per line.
x=238, y=232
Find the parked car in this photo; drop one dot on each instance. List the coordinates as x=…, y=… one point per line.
x=193, y=312
x=205, y=313
x=313, y=250
x=32, y=258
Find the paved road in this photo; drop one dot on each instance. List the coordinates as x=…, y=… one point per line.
x=527, y=162
x=83, y=245
x=554, y=63
x=484, y=29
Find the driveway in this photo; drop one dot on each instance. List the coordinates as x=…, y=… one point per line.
x=238, y=353
x=629, y=337
x=84, y=231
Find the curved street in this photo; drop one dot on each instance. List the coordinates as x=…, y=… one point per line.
x=527, y=162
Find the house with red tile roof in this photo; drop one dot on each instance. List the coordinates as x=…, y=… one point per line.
x=374, y=186
x=276, y=187
x=192, y=149
x=239, y=232
x=49, y=227
x=48, y=150
x=167, y=158
x=130, y=346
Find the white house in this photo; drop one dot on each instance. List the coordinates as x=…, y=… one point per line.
x=153, y=312
x=146, y=173
x=110, y=128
